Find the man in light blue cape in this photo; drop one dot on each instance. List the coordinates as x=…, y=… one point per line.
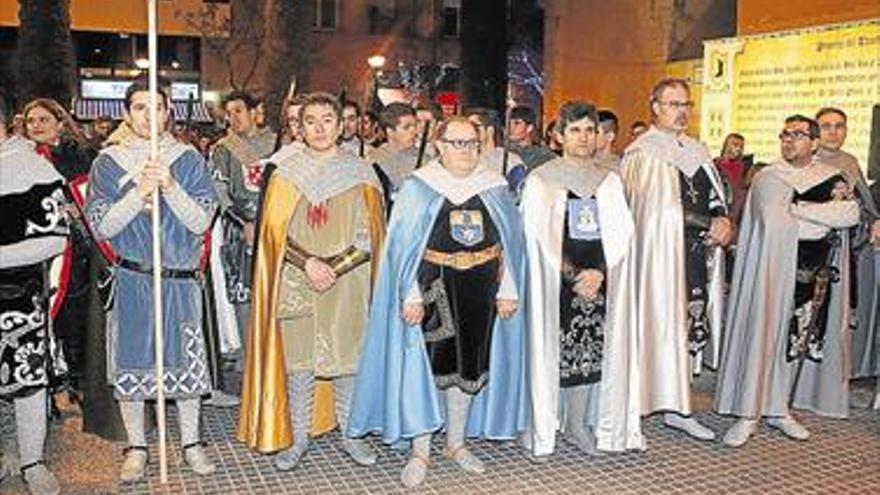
x=402, y=365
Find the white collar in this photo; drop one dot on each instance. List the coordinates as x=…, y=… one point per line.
x=581, y=179
x=320, y=178
x=459, y=189
x=134, y=153
x=681, y=151
x=802, y=179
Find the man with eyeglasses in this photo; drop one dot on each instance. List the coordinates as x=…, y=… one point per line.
x=786, y=338
x=865, y=241
x=682, y=225
x=395, y=160
x=582, y=339
x=445, y=324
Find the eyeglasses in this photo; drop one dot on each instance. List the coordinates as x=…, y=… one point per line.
x=793, y=135
x=462, y=144
x=678, y=105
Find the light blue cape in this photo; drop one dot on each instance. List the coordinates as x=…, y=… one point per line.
x=394, y=390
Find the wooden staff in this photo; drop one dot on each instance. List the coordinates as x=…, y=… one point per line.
x=158, y=314
x=423, y=143
x=509, y=103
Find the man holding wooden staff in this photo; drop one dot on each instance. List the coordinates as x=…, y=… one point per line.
x=122, y=182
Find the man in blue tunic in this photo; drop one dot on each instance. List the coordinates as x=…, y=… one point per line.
x=444, y=317
x=122, y=182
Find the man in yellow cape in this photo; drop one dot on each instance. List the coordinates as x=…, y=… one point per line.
x=318, y=240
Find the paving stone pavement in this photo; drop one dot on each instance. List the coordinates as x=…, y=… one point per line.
x=842, y=457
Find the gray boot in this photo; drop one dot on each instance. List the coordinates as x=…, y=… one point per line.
x=300, y=396
x=30, y=419
x=356, y=448
x=576, y=431
x=458, y=404
x=416, y=467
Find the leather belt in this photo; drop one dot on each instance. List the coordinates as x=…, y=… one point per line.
x=166, y=272
x=463, y=260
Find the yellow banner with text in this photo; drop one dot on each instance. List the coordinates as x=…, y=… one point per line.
x=752, y=83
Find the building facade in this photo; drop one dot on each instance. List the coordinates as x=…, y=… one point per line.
x=209, y=47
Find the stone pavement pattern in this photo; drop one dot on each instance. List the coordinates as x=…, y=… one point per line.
x=842, y=457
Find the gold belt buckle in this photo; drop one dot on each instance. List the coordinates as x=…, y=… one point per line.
x=465, y=260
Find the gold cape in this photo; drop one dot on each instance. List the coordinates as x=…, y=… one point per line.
x=264, y=422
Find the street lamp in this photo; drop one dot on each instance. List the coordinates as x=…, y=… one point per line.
x=376, y=62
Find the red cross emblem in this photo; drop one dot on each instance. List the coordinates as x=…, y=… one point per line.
x=255, y=175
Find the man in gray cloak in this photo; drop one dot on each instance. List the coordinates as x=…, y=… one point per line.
x=786, y=331
x=865, y=242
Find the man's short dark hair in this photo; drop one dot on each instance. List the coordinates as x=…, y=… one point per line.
x=488, y=118
x=372, y=116
x=433, y=107
x=320, y=98
x=352, y=104
x=826, y=110
x=572, y=111
x=524, y=113
x=142, y=84
x=813, y=125
x=608, y=121
x=393, y=112
x=248, y=99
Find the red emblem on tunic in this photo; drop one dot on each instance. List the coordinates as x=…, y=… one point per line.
x=317, y=215
x=255, y=175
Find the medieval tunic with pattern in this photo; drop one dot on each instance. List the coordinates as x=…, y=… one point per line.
x=237, y=167
x=33, y=231
x=460, y=304
x=118, y=214
x=322, y=332
x=581, y=322
x=700, y=202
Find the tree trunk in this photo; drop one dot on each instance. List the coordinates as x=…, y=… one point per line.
x=46, y=66
x=484, y=53
x=290, y=52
